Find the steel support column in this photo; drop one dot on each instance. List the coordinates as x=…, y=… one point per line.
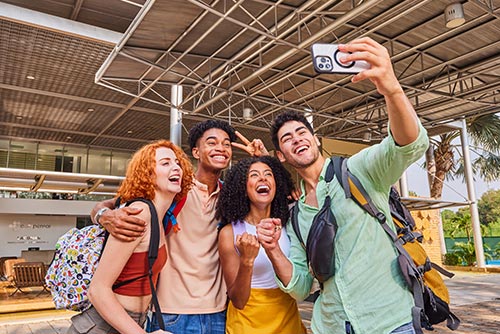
x=474, y=213
x=175, y=115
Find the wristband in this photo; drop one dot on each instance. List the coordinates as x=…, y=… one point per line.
x=99, y=214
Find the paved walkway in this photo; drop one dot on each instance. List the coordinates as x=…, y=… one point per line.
x=475, y=300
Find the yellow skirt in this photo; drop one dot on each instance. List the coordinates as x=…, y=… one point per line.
x=267, y=311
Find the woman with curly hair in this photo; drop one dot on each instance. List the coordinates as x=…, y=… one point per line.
x=255, y=188
x=161, y=173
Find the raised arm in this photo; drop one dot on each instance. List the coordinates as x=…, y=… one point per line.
x=237, y=269
x=403, y=119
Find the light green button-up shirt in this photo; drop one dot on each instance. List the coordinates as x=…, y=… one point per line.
x=367, y=289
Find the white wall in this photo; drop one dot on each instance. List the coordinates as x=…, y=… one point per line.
x=36, y=223
x=18, y=232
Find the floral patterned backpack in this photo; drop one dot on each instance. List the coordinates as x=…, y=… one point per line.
x=77, y=255
x=76, y=258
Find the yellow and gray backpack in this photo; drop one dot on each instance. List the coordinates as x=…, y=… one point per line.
x=422, y=276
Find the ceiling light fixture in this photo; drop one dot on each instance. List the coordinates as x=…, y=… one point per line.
x=454, y=15
x=90, y=109
x=30, y=77
x=247, y=113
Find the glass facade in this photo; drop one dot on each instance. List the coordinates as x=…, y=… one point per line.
x=62, y=158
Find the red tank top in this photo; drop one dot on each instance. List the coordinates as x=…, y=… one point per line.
x=137, y=265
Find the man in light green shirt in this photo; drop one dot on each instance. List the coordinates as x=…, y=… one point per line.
x=367, y=294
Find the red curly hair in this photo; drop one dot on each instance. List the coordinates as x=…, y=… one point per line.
x=140, y=178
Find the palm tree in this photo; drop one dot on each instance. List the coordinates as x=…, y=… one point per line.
x=443, y=163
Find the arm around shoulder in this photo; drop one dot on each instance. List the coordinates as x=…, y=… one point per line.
x=124, y=223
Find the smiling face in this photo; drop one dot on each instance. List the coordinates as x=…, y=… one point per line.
x=261, y=186
x=213, y=150
x=168, y=172
x=298, y=146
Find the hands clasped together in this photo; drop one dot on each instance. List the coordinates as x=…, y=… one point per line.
x=268, y=235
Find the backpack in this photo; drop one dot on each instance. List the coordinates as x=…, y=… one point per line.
x=430, y=294
x=77, y=256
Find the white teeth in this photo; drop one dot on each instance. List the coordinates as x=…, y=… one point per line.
x=262, y=189
x=174, y=178
x=219, y=157
x=300, y=149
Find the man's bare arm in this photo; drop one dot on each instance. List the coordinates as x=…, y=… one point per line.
x=109, y=203
x=122, y=223
x=402, y=116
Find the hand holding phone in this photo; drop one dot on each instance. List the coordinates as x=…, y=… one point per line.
x=326, y=59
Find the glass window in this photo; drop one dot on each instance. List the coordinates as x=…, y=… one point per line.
x=4, y=149
x=120, y=162
x=99, y=162
x=22, y=155
x=76, y=158
x=51, y=158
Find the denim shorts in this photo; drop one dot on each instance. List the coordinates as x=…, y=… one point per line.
x=405, y=329
x=213, y=323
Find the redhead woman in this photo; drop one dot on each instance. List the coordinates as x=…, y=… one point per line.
x=160, y=172
x=254, y=189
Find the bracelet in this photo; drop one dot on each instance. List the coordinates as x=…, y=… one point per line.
x=99, y=214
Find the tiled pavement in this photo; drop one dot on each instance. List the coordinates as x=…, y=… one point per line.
x=475, y=300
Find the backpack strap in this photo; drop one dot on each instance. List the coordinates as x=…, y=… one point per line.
x=169, y=220
x=294, y=217
x=154, y=243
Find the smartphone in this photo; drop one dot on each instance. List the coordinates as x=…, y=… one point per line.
x=326, y=59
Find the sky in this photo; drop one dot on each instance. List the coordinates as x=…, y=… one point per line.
x=455, y=190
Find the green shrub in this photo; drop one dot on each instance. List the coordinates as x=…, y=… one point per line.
x=451, y=259
x=466, y=253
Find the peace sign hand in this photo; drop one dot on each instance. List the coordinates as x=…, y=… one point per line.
x=255, y=147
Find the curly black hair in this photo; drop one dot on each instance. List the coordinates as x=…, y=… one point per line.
x=234, y=204
x=199, y=129
x=284, y=117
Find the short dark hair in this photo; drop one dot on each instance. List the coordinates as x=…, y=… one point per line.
x=284, y=117
x=233, y=203
x=200, y=128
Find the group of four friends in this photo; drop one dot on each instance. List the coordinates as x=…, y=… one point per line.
x=232, y=243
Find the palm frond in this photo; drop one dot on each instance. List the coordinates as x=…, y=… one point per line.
x=488, y=167
x=484, y=131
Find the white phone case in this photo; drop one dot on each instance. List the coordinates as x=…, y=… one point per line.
x=326, y=60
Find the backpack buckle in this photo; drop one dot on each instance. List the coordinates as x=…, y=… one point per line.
x=407, y=236
x=380, y=217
